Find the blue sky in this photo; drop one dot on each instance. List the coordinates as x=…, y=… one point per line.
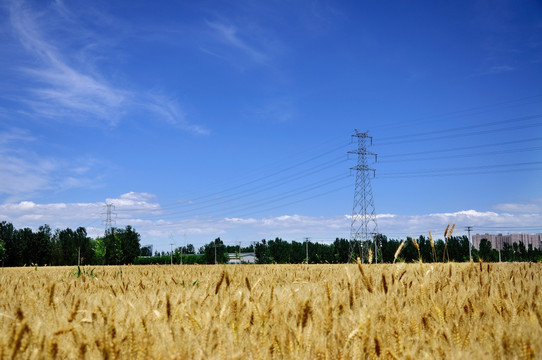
x=234, y=119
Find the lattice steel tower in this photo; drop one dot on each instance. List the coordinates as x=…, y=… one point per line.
x=110, y=218
x=363, y=212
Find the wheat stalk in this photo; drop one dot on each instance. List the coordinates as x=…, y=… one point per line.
x=398, y=251
x=417, y=246
x=446, y=231
x=432, y=246
x=451, y=231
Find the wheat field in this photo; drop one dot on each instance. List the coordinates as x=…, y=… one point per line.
x=399, y=311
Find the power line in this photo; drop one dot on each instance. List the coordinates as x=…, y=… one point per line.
x=268, y=175
x=445, y=133
x=210, y=200
x=529, y=149
x=471, y=147
x=505, y=167
x=468, y=111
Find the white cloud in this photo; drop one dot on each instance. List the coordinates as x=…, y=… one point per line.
x=159, y=227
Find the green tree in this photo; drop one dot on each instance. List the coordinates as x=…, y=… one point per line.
x=341, y=249
x=2, y=252
x=279, y=250
x=12, y=248
x=215, y=248
x=261, y=252
x=297, y=254
x=113, y=251
x=128, y=240
x=98, y=246
x=69, y=246
x=43, y=246
x=523, y=256
x=507, y=252
x=389, y=247
x=485, y=250
x=25, y=239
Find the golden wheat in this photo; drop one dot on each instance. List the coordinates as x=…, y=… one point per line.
x=459, y=311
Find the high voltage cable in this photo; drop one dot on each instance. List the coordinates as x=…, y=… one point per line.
x=264, y=177
x=469, y=111
x=212, y=202
x=536, y=227
x=461, y=128
x=208, y=197
x=465, y=173
x=297, y=191
x=447, y=136
x=265, y=200
x=492, y=123
x=443, y=172
x=464, y=155
x=469, y=168
x=433, y=151
x=274, y=207
x=460, y=171
x=311, y=159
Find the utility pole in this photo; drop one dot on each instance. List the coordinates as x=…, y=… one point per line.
x=375, y=237
x=186, y=246
x=171, y=253
x=469, y=229
x=307, y=249
x=215, y=248
x=363, y=210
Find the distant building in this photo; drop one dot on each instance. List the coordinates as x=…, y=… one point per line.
x=243, y=258
x=498, y=240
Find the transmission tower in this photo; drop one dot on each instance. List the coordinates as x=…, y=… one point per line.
x=363, y=211
x=110, y=217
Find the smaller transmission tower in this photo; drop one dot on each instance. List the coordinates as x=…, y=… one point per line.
x=110, y=217
x=363, y=211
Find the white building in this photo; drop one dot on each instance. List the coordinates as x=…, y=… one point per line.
x=243, y=258
x=498, y=240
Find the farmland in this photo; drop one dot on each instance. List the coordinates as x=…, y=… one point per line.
x=460, y=311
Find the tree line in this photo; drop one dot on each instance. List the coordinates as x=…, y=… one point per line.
x=454, y=248
x=19, y=247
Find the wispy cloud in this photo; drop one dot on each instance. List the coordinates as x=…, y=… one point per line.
x=276, y=110
x=230, y=35
x=494, y=70
x=169, y=111
x=527, y=206
x=63, y=90
x=26, y=172
x=65, y=83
